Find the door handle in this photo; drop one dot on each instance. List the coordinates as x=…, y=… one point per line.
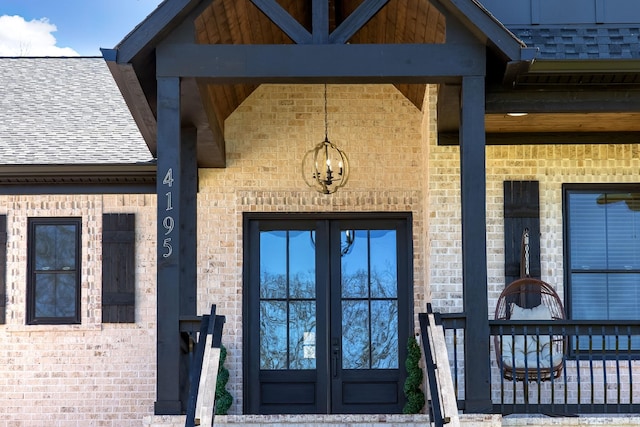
x=335, y=354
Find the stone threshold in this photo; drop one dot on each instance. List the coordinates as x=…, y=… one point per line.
x=466, y=420
x=362, y=420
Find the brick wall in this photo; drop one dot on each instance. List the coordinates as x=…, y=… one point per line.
x=105, y=374
x=266, y=139
x=90, y=374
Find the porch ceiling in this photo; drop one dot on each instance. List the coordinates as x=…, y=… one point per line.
x=241, y=22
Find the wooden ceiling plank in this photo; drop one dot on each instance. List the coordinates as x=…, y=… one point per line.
x=356, y=20
x=283, y=20
x=412, y=16
x=242, y=14
x=230, y=26
x=405, y=29
x=563, y=122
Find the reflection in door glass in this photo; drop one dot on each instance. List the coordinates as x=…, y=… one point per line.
x=384, y=336
x=287, y=300
x=355, y=335
x=369, y=301
x=273, y=264
x=273, y=335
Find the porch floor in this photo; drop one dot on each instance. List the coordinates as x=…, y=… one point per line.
x=466, y=420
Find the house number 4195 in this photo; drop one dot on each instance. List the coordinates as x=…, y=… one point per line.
x=168, y=222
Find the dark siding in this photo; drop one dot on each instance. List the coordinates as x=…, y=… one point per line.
x=564, y=12
x=118, y=268
x=3, y=269
x=521, y=211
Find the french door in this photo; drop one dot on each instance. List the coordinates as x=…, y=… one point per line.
x=327, y=313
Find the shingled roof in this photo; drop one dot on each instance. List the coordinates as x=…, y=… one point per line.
x=582, y=42
x=65, y=111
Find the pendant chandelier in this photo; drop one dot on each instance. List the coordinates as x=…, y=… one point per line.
x=325, y=167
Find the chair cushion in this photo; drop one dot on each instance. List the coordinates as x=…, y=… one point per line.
x=519, y=351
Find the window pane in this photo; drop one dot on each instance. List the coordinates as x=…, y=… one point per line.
x=273, y=264
x=624, y=296
x=55, y=295
x=55, y=247
x=273, y=335
x=589, y=296
x=623, y=241
x=587, y=232
x=302, y=335
x=384, y=334
x=302, y=265
x=355, y=266
x=355, y=335
x=45, y=295
x=384, y=269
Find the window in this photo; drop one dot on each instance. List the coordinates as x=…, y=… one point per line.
x=603, y=253
x=53, y=283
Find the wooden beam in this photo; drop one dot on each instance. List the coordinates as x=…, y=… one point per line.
x=448, y=108
x=353, y=63
x=320, y=21
x=198, y=110
x=356, y=20
x=541, y=138
x=166, y=17
x=596, y=100
x=131, y=90
x=474, y=247
x=283, y=20
x=169, y=190
x=486, y=27
x=188, y=214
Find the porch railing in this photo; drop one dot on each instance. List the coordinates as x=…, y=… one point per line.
x=600, y=370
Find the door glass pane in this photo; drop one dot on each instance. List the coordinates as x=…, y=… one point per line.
x=384, y=334
x=355, y=335
x=273, y=264
x=384, y=266
x=302, y=335
x=355, y=270
x=273, y=335
x=302, y=265
x=287, y=300
x=370, y=305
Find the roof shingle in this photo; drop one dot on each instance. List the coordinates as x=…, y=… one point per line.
x=65, y=111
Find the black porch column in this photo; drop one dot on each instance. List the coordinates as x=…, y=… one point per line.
x=176, y=232
x=474, y=252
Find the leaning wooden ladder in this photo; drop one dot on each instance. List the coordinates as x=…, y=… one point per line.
x=443, y=406
x=204, y=371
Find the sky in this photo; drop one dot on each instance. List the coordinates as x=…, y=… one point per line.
x=68, y=27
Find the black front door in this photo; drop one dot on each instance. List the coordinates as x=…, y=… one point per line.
x=326, y=314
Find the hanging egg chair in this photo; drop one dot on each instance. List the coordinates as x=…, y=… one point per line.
x=538, y=355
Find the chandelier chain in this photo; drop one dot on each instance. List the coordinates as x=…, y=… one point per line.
x=326, y=115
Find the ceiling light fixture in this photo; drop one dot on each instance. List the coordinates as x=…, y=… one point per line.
x=319, y=164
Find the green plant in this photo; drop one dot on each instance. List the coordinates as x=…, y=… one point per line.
x=412, y=391
x=223, y=397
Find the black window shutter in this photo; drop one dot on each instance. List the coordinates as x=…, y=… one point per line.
x=3, y=269
x=118, y=268
x=521, y=211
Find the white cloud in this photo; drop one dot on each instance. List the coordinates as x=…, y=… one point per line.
x=33, y=38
